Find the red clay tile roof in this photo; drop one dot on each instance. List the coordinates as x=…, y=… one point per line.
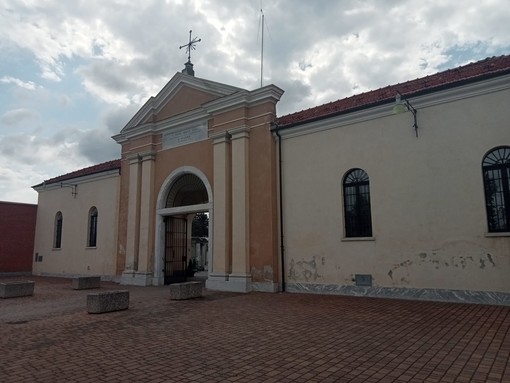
x=490, y=67
x=99, y=168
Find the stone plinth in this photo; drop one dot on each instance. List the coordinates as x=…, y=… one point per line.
x=108, y=301
x=16, y=289
x=86, y=282
x=185, y=290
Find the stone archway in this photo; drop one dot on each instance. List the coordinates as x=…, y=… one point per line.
x=185, y=191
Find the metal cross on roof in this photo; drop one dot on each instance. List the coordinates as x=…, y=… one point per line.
x=190, y=46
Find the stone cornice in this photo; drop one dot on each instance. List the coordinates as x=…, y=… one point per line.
x=242, y=98
x=269, y=93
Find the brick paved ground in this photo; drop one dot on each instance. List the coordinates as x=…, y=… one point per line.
x=226, y=337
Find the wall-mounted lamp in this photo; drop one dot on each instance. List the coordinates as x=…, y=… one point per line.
x=403, y=105
x=73, y=187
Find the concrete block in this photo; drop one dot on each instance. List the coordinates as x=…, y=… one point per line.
x=16, y=289
x=86, y=282
x=185, y=290
x=107, y=301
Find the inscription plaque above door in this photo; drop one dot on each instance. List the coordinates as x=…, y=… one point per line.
x=185, y=135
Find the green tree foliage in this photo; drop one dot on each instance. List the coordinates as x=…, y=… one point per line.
x=200, y=225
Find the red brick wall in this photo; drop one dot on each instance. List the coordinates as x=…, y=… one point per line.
x=17, y=232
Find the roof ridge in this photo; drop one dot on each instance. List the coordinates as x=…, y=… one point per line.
x=449, y=77
x=93, y=169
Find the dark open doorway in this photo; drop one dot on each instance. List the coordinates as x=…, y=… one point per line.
x=176, y=249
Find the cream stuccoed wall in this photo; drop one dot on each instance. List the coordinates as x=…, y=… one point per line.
x=74, y=257
x=427, y=198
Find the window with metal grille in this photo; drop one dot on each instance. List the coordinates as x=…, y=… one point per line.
x=92, y=232
x=357, y=214
x=496, y=180
x=57, y=235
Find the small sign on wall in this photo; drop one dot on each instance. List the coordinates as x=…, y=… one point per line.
x=183, y=136
x=363, y=279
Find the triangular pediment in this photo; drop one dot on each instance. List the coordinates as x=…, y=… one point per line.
x=183, y=93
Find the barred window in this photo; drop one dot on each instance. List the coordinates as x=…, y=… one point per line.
x=357, y=214
x=496, y=180
x=57, y=232
x=92, y=228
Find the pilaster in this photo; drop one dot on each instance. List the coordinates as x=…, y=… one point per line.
x=138, y=246
x=146, y=213
x=240, y=277
x=133, y=214
x=220, y=266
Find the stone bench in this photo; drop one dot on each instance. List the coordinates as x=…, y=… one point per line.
x=86, y=282
x=185, y=290
x=16, y=289
x=105, y=302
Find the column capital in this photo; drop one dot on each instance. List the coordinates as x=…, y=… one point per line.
x=240, y=132
x=140, y=157
x=133, y=159
x=220, y=137
x=148, y=156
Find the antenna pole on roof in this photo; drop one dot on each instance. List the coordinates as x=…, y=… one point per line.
x=262, y=51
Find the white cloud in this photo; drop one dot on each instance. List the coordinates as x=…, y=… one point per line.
x=18, y=116
x=29, y=85
x=28, y=160
x=16, y=181
x=123, y=52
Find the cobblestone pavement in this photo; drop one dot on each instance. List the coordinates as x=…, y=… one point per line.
x=256, y=337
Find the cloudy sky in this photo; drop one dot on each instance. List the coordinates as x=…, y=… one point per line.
x=72, y=73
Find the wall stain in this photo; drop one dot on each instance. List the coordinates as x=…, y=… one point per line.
x=403, y=267
x=489, y=256
x=423, y=259
x=306, y=270
x=266, y=274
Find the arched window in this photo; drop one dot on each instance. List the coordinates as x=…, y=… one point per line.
x=57, y=232
x=358, y=221
x=496, y=180
x=92, y=228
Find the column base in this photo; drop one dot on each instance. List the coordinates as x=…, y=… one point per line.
x=235, y=282
x=266, y=287
x=240, y=282
x=158, y=281
x=217, y=281
x=136, y=278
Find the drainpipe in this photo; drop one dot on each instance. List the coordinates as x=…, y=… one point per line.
x=276, y=130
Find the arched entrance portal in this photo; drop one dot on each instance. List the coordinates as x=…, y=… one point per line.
x=184, y=193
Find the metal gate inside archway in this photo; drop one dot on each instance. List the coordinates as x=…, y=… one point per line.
x=188, y=193
x=176, y=249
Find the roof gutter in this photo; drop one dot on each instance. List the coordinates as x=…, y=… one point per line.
x=400, y=89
